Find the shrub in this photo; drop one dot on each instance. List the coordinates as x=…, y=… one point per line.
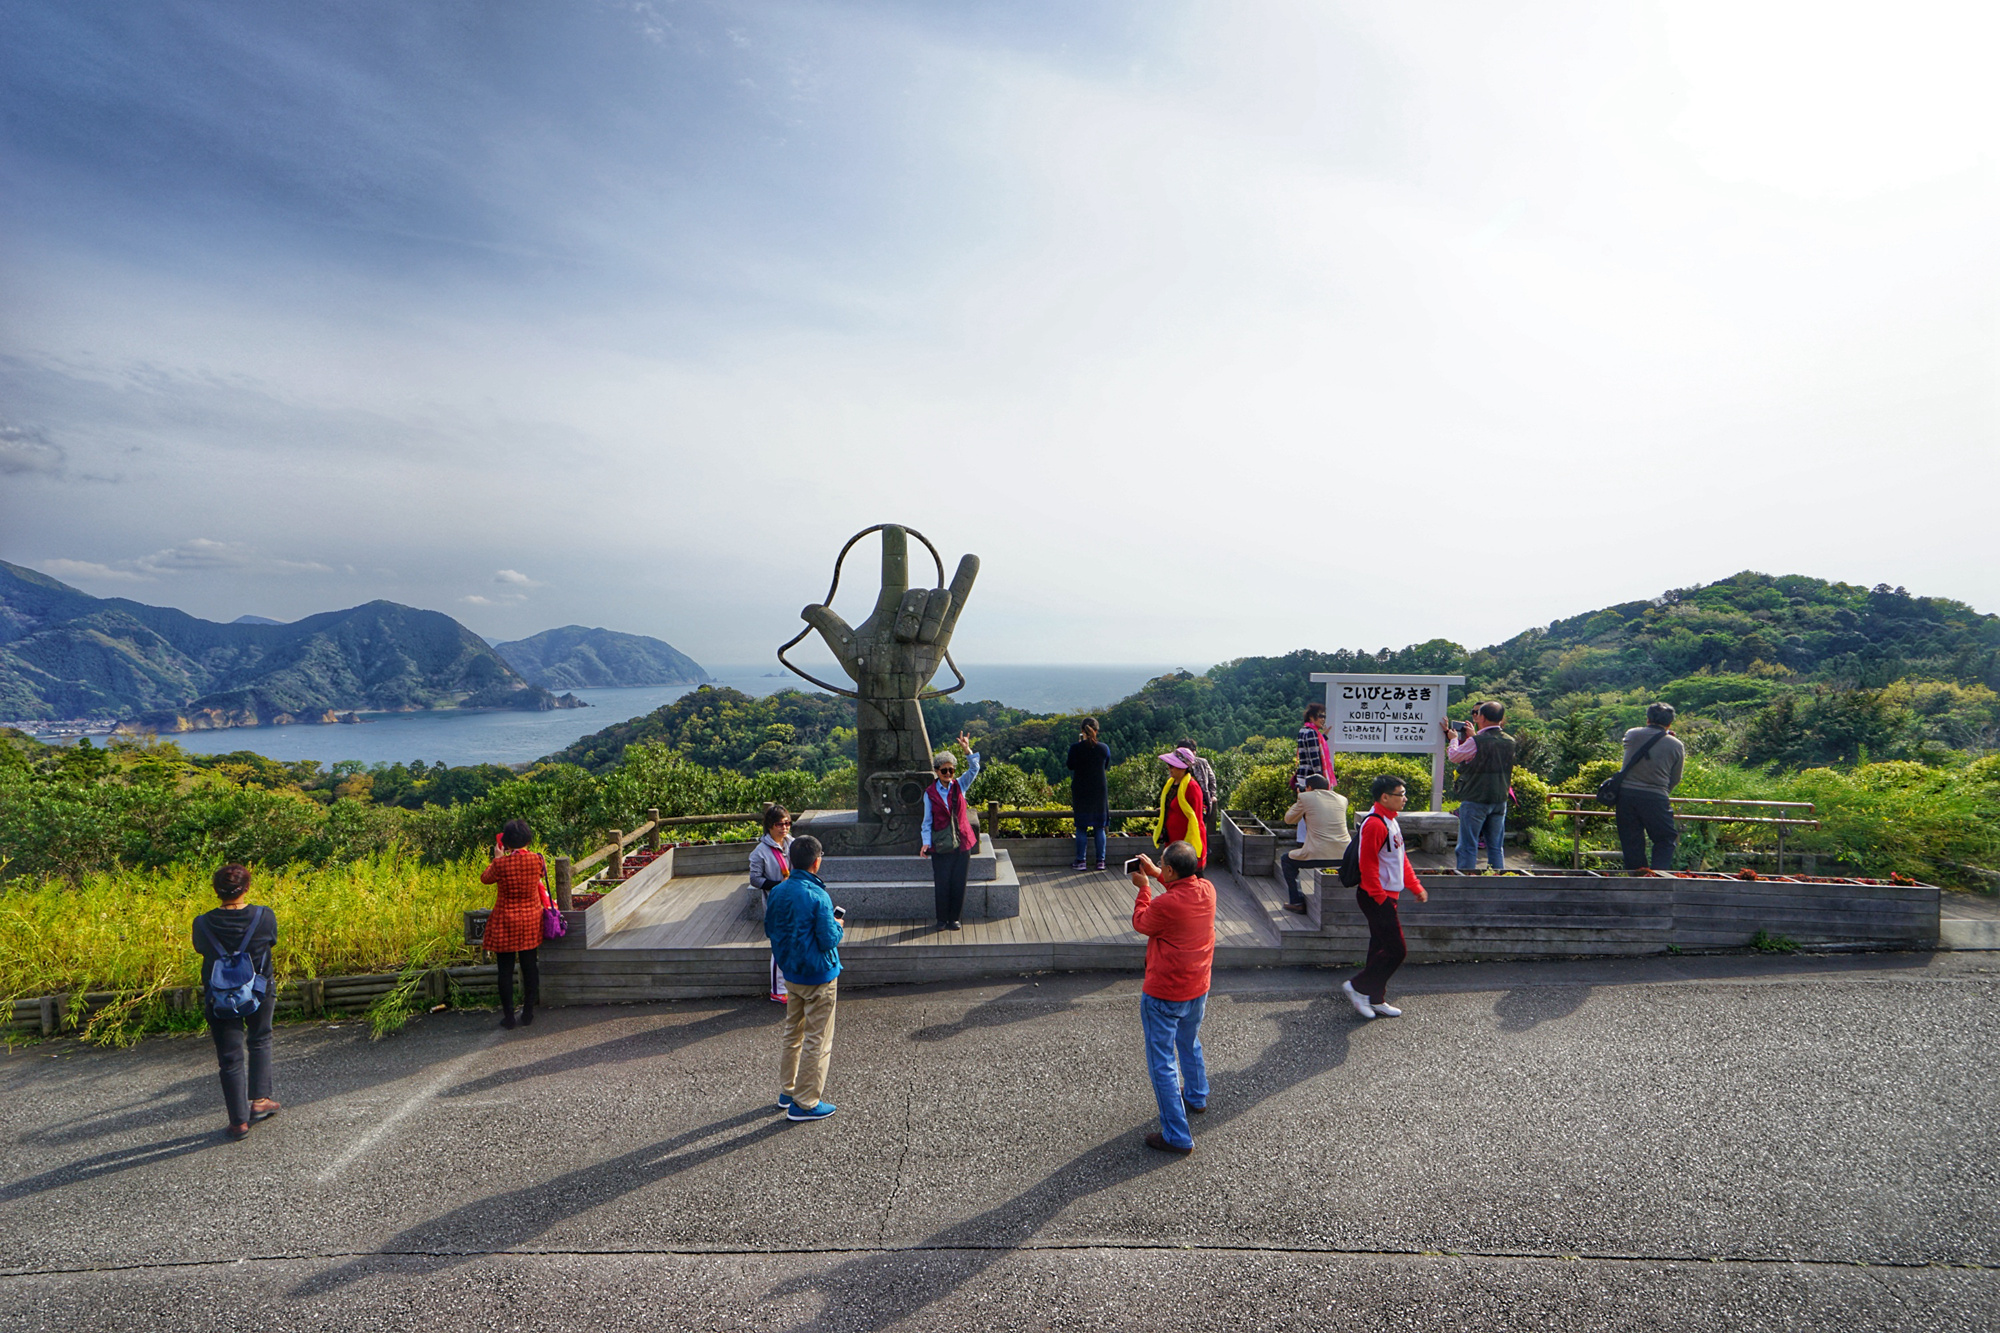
x=1267, y=793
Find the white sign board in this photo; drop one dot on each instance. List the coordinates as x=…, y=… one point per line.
x=1390, y=713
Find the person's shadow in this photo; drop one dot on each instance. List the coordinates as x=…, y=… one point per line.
x=876, y=1290
x=108, y=1164
x=504, y=1221
x=1526, y=1006
x=1023, y=1004
x=659, y=1040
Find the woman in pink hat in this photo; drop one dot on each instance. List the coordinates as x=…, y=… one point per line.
x=1183, y=813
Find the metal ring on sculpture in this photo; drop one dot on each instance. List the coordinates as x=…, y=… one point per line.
x=834, y=587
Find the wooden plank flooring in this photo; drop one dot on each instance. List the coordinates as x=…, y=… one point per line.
x=1057, y=907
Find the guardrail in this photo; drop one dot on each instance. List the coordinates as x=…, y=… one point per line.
x=310, y=996
x=1576, y=814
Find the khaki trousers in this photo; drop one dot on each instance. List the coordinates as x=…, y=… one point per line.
x=808, y=1041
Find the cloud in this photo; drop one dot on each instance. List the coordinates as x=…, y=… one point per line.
x=516, y=578
x=89, y=569
x=198, y=555
x=24, y=450
x=474, y=599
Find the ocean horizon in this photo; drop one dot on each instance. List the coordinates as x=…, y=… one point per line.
x=501, y=736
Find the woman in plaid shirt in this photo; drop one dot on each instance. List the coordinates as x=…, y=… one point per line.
x=1315, y=755
x=514, y=931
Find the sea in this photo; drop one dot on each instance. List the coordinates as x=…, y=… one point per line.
x=508, y=737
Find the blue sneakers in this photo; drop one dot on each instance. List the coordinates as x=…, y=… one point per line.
x=819, y=1112
x=784, y=1101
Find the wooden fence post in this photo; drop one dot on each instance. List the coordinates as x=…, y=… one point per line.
x=653, y=834
x=992, y=821
x=615, y=867
x=563, y=875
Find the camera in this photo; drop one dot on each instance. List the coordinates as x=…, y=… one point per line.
x=840, y=914
x=1134, y=866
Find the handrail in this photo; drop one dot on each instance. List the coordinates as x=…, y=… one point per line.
x=1576, y=814
x=1689, y=800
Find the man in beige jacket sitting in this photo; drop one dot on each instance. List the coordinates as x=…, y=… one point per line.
x=1323, y=811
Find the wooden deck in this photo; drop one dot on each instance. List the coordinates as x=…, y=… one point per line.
x=1064, y=906
x=692, y=937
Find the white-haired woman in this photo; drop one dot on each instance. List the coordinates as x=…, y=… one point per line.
x=948, y=836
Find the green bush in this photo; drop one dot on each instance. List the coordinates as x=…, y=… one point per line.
x=1356, y=774
x=1267, y=793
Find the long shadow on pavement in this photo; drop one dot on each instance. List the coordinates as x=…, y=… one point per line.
x=109, y=1164
x=657, y=1040
x=1024, y=1004
x=503, y=1221
x=879, y=1290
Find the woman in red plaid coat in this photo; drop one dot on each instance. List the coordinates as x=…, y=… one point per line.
x=514, y=931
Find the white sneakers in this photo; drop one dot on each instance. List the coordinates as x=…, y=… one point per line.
x=1357, y=999
x=1385, y=1010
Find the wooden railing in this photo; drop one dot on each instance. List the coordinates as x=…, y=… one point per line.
x=1576, y=812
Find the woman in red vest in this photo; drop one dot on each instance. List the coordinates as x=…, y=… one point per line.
x=949, y=839
x=1183, y=812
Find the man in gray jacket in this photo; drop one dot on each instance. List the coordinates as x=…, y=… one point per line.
x=1643, y=807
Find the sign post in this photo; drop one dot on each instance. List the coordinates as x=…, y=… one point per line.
x=1390, y=713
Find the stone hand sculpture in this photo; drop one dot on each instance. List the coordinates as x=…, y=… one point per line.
x=892, y=656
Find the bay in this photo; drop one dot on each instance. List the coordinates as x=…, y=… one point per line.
x=506, y=737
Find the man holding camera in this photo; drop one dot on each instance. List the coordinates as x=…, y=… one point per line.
x=1485, y=759
x=1654, y=757
x=805, y=930
x=1179, y=926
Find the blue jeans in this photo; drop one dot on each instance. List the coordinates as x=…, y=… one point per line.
x=1173, y=1027
x=1476, y=820
x=1090, y=822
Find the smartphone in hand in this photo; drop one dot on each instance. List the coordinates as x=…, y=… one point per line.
x=840, y=914
x=1135, y=866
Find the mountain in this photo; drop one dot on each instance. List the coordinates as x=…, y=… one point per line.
x=1788, y=669
x=255, y=620
x=64, y=653
x=574, y=657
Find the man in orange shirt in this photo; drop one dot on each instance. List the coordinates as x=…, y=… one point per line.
x=1179, y=926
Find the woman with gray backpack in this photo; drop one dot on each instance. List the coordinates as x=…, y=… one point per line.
x=238, y=993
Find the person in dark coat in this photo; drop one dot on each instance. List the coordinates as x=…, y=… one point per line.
x=242, y=1041
x=1089, y=790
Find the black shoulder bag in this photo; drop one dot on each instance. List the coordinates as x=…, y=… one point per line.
x=1607, y=790
x=1350, y=860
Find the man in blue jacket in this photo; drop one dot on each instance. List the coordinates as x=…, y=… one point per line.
x=805, y=939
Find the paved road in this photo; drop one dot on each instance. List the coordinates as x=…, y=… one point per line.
x=1695, y=1143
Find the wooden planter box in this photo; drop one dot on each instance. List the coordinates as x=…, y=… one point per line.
x=1251, y=844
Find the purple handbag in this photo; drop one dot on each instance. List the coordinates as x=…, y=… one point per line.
x=553, y=925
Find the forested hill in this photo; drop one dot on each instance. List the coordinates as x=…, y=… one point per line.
x=64, y=653
x=1784, y=671
x=574, y=657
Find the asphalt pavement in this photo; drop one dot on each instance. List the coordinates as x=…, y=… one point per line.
x=1719, y=1142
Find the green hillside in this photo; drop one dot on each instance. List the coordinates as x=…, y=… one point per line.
x=574, y=657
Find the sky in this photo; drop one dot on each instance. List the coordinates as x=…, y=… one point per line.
x=1213, y=329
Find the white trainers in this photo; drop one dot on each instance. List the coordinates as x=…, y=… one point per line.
x=1385, y=1010
x=1357, y=999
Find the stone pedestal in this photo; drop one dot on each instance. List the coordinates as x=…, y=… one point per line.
x=899, y=888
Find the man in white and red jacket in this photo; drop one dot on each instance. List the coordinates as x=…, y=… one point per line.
x=1385, y=873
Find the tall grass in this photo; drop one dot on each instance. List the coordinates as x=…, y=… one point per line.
x=129, y=931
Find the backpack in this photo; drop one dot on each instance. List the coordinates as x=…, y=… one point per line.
x=234, y=985
x=1350, y=860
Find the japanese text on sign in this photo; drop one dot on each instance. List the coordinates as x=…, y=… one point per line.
x=1374, y=715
